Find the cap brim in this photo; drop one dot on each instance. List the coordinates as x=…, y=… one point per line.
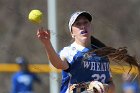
x=76, y=15
x=87, y=15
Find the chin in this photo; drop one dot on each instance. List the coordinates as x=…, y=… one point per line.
x=85, y=39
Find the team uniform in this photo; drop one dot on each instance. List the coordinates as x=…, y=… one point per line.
x=84, y=66
x=131, y=86
x=22, y=82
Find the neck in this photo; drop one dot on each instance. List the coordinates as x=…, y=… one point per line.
x=84, y=43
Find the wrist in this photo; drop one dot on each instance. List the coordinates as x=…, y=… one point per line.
x=47, y=44
x=106, y=87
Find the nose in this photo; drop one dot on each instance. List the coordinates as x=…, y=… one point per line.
x=82, y=26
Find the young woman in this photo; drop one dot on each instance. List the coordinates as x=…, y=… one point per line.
x=77, y=62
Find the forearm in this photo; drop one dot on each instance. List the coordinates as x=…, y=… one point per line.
x=54, y=58
x=111, y=88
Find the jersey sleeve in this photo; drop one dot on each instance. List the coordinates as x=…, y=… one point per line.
x=64, y=52
x=36, y=77
x=14, y=84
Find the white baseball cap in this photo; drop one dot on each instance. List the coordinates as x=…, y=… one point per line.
x=20, y=60
x=75, y=15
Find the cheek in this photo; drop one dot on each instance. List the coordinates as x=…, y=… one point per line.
x=90, y=29
x=75, y=30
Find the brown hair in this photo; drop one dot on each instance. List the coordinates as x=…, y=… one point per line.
x=119, y=55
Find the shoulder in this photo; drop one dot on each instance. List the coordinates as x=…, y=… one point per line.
x=65, y=51
x=16, y=75
x=68, y=52
x=33, y=74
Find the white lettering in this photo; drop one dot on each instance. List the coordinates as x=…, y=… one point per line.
x=86, y=64
x=98, y=67
x=92, y=66
x=107, y=66
x=102, y=67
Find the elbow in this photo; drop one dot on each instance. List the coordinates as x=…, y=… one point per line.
x=58, y=67
x=61, y=67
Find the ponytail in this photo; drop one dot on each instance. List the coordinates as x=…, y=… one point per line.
x=119, y=55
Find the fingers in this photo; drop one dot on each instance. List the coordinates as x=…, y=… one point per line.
x=43, y=33
x=48, y=32
x=42, y=29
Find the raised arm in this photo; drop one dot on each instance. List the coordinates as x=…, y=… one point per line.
x=56, y=61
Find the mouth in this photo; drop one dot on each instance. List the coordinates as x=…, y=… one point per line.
x=84, y=32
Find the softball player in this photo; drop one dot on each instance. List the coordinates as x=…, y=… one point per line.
x=23, y=80
x=77, y=61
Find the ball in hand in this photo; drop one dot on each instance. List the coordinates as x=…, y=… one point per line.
x=35, y=16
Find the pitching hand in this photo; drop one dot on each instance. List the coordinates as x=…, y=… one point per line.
x=43, y=35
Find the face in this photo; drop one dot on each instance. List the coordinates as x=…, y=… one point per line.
x=24, y=67
x=81, y=29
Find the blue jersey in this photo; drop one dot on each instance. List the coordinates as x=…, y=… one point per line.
x=133, y=86
x=22, y=82
x=84, y=66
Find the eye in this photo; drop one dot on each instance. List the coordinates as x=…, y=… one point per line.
x=81, y=23
x=77, y=23
x=86, y=22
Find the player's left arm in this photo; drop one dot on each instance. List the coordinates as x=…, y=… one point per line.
x=36, y=78
x=110, y=88
x=14, y=84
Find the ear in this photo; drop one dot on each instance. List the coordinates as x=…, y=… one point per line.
x=72, y=35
